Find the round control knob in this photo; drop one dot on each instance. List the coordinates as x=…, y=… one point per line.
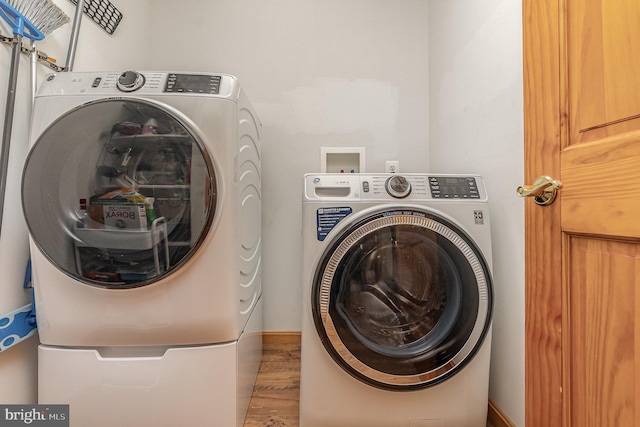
x=398, y=186
x=130, y=81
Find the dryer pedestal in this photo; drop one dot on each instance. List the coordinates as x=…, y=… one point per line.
x=154, y=386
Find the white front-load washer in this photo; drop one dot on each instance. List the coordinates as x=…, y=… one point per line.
x=397, y=301
x=142, y=196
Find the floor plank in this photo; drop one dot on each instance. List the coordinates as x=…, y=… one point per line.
x=276, y=395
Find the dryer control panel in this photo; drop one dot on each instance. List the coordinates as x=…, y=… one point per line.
x=140, y=83
x=193, y=83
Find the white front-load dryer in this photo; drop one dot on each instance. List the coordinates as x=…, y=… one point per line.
x=397, y=301
x=142, y=196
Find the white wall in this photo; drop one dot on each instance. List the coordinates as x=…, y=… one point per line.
x=475, y=81
x=434, y=84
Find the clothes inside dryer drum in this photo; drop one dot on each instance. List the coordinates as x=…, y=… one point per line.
x=119, y=193
x=402, y=299
x=404, y=291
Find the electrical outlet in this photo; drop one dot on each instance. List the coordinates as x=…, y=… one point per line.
x=392, y=166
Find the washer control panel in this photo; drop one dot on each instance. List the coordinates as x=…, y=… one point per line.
x=380, y=187
x=394, y=186
x=453, y=187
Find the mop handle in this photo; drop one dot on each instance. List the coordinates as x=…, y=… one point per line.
x=21, y=25
x=8, y=122
x=75, y=30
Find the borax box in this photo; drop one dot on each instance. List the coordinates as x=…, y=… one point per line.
x=121, y=209
x=124, y=217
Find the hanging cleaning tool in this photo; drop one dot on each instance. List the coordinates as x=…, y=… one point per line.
x=102, y=12
x=16, y=327
x=33, y=20
x=19, y=324
x=46, y=22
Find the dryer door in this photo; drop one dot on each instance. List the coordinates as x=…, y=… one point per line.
x=119, y=193
x=402, y=299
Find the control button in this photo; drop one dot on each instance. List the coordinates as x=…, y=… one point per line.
x=130, y=81
x=398, y=186
x=365, y=186
x=96, y=82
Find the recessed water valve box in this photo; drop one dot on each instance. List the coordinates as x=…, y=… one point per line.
x=342, y=159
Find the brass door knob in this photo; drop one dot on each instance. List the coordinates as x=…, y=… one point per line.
x=544, y=190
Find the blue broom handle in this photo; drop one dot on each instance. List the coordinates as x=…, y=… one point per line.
x=21, y=25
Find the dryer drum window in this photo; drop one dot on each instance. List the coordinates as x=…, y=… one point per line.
x=402, y=299
x=119, y=193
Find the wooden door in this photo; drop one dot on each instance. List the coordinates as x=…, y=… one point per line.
x=582, y=126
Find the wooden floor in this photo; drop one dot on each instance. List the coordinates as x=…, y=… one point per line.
x=276, y=395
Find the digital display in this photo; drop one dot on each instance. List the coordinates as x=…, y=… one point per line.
x=193, y=83
x=453, y=187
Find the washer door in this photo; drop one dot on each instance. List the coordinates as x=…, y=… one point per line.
x=402, y=299
x=119, y=193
